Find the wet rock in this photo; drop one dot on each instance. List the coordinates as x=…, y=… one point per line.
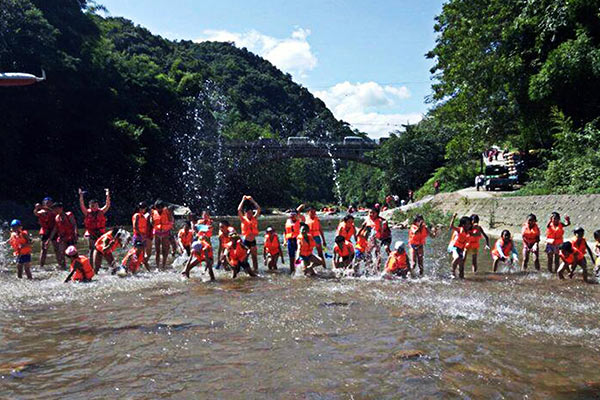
x=334, y=304
x=409, y=354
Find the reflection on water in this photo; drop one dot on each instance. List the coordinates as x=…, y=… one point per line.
x=156, y=335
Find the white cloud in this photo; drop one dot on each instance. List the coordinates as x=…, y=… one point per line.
x=359, y=105
x=292, y=54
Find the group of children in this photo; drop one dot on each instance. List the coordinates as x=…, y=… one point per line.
x=563, y=256
x=303, y=238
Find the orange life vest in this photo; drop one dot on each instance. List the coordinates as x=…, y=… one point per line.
x=361, y=243
x=506, y=248
x=237, y=254
x=104, y=245
x=307, y=244
x=272, y=243
x=579, y=244
x=134, y=259
x=346, y=230
x=166, y=219
x=94, y=222
x=142, y=225
x=205, y=253
x=47, y=220
x=65, y=229
x=314, y=225
x=574, y=257
x=208, y=222
x=555, y=234
x=345, y=251
x=249, y=226
x=88, y=270
x=530, y=235
x=224, y=238
x=416, y=236
x=396, y=262
x=459, y=238
x=292, y=229
x=19, y=243
x=186, y=238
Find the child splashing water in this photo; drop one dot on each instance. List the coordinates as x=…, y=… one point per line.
x=531, y=242
x=201, y=252
x=397, y=264
x=306, y=244
x=343, y=254
x=578, y=242
x=475, y=234
x=504, y=250
x=571, y=258
x=457, y=245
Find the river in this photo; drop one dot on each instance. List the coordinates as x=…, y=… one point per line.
x=158, y=336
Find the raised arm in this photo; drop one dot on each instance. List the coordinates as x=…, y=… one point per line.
x=300, y=208
x=452, y=222
x=257, y=211
x=82, y=203
x=107, y=203
x=240, y=207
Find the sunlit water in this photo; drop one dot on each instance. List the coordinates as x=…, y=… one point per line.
x=158, y=336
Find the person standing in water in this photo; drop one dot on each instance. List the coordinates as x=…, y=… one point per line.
x=237, y=256
x=225, y=232
x=105, y=246
x=343, y=253
x=417, y=238
x=162, y=224
x=201, y=252
x=21, y=244
x=142, y=228
x=458, y=242
x=531, y=242
x=555, y=231
x=272, y=249
x=204, y=225
x=306, y=244
x=249, y=227
x=346, y=228
x=314, y=225
x=292, y=230
x=47, y=220
x=578, y=242
x=185, y=237
x=475, y=234
x=94, y=219
x=65, y=232
x=570, y=259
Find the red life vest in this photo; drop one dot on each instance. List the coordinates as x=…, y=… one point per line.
x=103, y=243
x=19, y=243
x=506, y=248
x=459, y=238
x=65, y=229
x=95, y=222
x=47, y=220
x=292, y=229
x=396, y=262
x=134, y=259
x=345, y=250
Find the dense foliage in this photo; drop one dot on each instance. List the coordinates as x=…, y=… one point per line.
x=126, y=109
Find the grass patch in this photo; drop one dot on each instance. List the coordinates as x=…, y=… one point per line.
x=432, y=215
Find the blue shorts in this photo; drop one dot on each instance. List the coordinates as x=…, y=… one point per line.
x=317, y=240
x=359, y=255
x=23, y=259
x=292, y=245
x=550, y=248
x=456, y=252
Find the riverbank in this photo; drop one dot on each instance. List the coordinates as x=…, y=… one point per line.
x=497, y=212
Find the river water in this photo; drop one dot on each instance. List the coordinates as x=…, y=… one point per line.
x=157, y=336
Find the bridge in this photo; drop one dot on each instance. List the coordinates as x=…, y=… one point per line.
x=273, y=150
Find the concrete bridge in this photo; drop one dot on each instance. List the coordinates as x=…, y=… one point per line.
x=274, y=150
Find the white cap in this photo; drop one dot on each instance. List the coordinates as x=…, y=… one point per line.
x=399, y=245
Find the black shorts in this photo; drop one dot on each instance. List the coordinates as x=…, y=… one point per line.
x=386, y=241
x=250, y=243
x=243, y=265
x=46, y=236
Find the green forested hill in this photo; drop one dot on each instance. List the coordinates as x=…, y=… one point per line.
x=126, y=109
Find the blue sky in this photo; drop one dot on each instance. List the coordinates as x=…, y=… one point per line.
x=365, y=59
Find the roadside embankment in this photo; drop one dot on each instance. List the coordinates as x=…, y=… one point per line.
x=498, y=213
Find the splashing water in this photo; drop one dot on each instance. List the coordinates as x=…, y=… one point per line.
x=336, y=183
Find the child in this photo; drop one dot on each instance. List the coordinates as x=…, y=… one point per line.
x=292, y=230
x=249, y=227
x=94, y=219
x=343, y=253
x=271, y=249
x=315, y=229
x=185, y=237
x=417, y=238
x=81, y=268
x=475, y=234
x=555, y=231
x=65, y=232
x=236, y=255
x=225, y=232
x=578, y=242
x=162, y=224
x=205, y=225
x=346, y=228
x=397, y=263
x=306, y=245
x=105, y=246
x=531, y=242
x=201, y=251
x=597, y=250
x=570, y=259
x=21, y=244
x=47, y=220
x=504, y=250
x=362, y=246
x=458, y=243
x=142, y=227
x=135, y=257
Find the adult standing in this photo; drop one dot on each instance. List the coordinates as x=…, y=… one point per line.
x=292, y=230
x=47, y=220
x=249, y=227
x=142, y=227
x=162, y=225
x=315, y=229
x=94, y=219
